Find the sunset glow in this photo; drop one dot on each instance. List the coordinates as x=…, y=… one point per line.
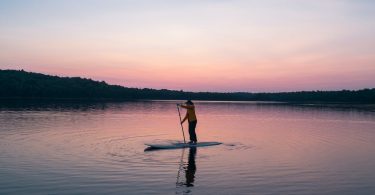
x=195, y=45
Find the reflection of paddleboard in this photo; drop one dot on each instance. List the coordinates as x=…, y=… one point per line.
x=181, y=145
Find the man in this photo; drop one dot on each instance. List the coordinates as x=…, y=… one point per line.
x=192, y=119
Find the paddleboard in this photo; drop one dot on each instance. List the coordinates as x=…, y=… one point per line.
x=181, y=145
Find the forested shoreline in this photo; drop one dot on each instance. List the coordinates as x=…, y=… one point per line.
x=22, y=84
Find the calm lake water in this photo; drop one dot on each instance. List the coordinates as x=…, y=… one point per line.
x=268, y=148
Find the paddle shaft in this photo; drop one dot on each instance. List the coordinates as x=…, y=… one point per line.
x=182, y=127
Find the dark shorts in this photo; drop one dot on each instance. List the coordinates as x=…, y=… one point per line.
x=193, y=135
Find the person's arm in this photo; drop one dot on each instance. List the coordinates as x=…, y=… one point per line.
x=187, y=106
x=186, y=117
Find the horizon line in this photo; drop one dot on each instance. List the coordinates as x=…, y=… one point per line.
x=192, y=91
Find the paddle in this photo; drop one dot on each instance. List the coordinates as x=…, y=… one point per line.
x=182, y=127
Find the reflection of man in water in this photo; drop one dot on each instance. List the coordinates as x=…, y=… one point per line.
x=191, y=168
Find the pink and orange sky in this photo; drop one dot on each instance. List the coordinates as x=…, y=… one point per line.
x=197, y=45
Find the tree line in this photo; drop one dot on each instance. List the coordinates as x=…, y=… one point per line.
x=22, y=84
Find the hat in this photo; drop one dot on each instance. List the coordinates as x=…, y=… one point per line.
x=189, y=102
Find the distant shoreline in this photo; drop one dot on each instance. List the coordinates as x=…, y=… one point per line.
x=19, y=84
x=196, y=100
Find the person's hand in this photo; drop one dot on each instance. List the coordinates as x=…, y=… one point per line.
x=182, y=122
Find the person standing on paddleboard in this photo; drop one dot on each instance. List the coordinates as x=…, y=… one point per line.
x=192, y=119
